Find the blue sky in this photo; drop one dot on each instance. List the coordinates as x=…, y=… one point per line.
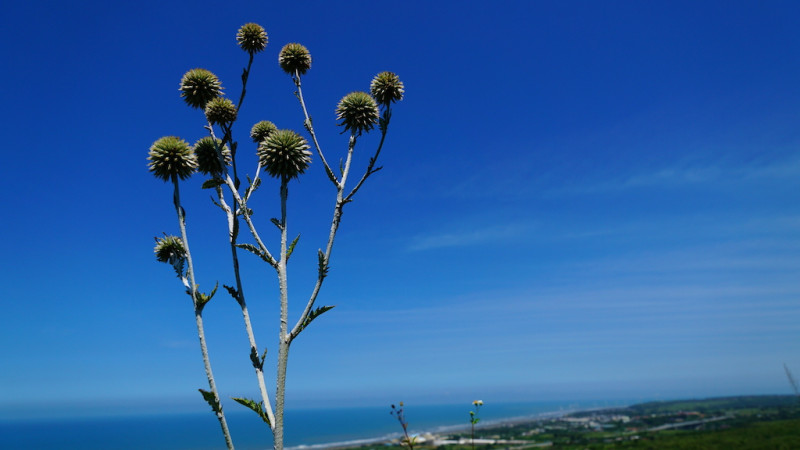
x=579, y=200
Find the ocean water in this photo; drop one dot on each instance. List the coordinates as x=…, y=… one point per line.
x=201, y=431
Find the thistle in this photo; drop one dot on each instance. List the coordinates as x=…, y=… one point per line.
x=199, y=86
x=294, y=58
x=357, y=111
x=170, y=250
x=171, y=156
x=205, y=151
x=262, y=130
x=220, y=110
x=284, y=154
x=387, y=88
x=252, y=38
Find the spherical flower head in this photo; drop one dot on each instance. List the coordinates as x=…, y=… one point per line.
x=252, y=38
x=205, y=150
x=199, y=86
x=171, y=156
x=294, y=58
x=357, y=111
x=387, y=88
x=220, y=110
x=169, y=249
x=262, y=130
x=477, y=402
x=284, y=154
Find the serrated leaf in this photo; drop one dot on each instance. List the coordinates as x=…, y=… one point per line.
x=254, y=358
x=202, y=298
x=257, y=407
x=211, y=399
x=313, y=315
x=231, y=290
x=254, y=250
x=291, y=247
x=322, y=268
x=277, y=223
x=212, y=183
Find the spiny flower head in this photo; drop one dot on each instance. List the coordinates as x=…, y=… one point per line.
x=357, y=111
x=284, y=154
x=252, y=38
x=294, y=58
x=387, y=88
x=199, y=86
x=169, y=249
x=262, y=130
x=220, y=110
x=205, y=150
x=171, y=156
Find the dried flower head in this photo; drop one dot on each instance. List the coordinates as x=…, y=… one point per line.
x=199, y=86
x=220, y=110
x=294, y=58
x=357, y=111
x=252, y=38
x=284, y=154
x=262, y=130
x=171, y=156
x=205, y=151
x=387, y=88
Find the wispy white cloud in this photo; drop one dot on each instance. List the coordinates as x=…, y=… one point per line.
x=468, y=237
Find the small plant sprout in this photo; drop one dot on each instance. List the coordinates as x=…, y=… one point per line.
x=474, y=419
x=406, y=440
x=278, y=157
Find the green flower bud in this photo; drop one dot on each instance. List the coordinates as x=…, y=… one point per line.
x=387, y=88
x=205, y=150
x=199, y=86
x=294, y=58
x=262, y=130
x=220, y=110
x=284, y=153
x=357, y=111
x=170, y=156
x=252, y=38
x=169, y=249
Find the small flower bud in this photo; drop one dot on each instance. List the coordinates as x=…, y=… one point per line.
x=220, y=110
x=205, y=150
x=357, y=111
x=387, y=88
x=262, y=130
x=284, y=154
x=199, y=86
x=294, y=58
x=252, y=38
x=171, y=156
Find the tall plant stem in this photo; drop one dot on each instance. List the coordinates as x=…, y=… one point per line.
x=284, y=339
x=198, y=315
x=233, y=232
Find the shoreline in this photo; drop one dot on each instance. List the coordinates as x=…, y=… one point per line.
x=447, y=429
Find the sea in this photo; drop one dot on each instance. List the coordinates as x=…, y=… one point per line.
x=311, y=428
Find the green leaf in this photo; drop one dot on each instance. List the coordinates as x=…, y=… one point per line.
x=212, y=183
x=202, y=298
x=322, y=267
x=258, y=408
x=277, y=223
x=252, y=186
x=231, y=290
x=291, y=247
x=254, y=250
x=313, y=315
x=211, y=399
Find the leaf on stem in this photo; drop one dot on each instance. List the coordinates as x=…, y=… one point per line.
x=212, y=401
x=277, y=223
x=254, y=250
x=322, y=265
x=212, y=183
x=258, y=407
x=231, y=290
x=313, y=315
x=291, y=247
x=202, y=298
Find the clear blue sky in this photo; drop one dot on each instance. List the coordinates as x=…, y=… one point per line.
x=580, y=200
